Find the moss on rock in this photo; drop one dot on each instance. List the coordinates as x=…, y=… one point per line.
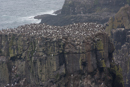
x=118, y=77
x=120, y=20
x=99, y=45
x=103, y=63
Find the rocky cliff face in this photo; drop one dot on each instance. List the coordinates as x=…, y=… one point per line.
x=119, y=29
x=77, y=55
x=80, y=11
x=88, y=6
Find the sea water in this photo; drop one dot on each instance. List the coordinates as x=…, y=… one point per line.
x=14, y=13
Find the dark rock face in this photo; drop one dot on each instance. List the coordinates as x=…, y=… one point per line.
x=80, y=11
x=89, y=6
x=119, y=29
x=77, y=55
x=120, y=20
x=61, y=20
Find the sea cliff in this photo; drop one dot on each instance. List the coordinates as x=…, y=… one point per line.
x=39, y=55
x=80, y=11
x=75, y=55
x=118, y=29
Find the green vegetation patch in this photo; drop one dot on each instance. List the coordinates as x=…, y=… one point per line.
x=99, y=45
x=102, y=62
x=118, y=77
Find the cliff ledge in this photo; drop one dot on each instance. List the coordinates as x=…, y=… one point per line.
x=39, y=55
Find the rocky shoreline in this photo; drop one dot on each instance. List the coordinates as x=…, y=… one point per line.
x=74, y=55
x=71, y=12
x=62, y=20
x=116, y=22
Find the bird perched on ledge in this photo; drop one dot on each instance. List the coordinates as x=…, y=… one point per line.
x=77, y=31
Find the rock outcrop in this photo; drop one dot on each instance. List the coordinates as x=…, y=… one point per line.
x=72, y=7
x=39, y=55
x=80, y=11
x=118, y=28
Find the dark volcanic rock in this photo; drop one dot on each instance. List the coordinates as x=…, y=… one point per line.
x=79, y=11
x=118, y=28
x=43, y=16
x=120, y=20
x=61, y=20
x=90, y=6
x=57, y=12
x=39, y=55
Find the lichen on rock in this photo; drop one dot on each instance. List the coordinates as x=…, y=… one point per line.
x=118, y=29
x=75, y=55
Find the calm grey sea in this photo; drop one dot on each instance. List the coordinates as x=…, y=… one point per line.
x=19, y=12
